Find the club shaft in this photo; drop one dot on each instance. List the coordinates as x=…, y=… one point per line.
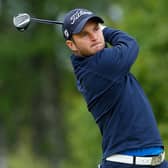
x=45, y=21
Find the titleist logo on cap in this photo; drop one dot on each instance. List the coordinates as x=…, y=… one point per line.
x=78, y=14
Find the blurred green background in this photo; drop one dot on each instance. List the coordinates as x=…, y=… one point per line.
x=44, y=122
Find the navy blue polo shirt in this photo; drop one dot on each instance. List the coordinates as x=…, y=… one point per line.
x=114, y=97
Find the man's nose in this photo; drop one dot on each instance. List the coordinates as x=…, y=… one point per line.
x=93, y=36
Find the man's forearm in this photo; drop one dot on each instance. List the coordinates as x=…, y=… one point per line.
x=116, y=37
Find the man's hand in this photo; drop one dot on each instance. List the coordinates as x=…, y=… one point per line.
x=102, y=26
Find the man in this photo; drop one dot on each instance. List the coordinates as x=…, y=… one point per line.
x=130, y=137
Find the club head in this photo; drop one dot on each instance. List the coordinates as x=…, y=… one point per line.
x=21, y=21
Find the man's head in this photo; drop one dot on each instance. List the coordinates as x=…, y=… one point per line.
x=82, y=32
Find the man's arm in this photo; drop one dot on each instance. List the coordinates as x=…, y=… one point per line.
x=118, y=59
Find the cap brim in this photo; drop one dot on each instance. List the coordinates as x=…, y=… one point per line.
x=81, y=25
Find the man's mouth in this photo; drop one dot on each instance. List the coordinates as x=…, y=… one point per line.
x=96, y=44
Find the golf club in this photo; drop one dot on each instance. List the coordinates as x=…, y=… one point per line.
x=22, y=21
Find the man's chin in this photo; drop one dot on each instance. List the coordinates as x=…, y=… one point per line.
x=98, y=48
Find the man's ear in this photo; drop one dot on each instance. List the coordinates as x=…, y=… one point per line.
x=71, y=45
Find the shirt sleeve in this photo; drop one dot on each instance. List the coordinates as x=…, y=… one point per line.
x=117, y=60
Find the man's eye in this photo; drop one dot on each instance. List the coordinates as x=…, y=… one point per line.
x=97, y=28
x=84, y=34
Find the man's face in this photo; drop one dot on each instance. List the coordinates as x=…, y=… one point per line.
x=89, y=41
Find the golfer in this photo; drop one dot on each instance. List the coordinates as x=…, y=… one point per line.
x=102, y=58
